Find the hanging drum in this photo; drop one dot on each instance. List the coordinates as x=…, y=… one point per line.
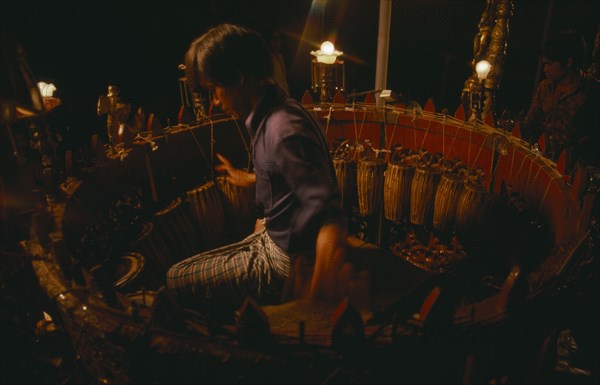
x=369, y=181
x=155, y=251
x=175, y=225
x=396, y=190
x=239, y=203
x=422, y=194
x=208, y=214
x=345, y=173
x=446, y=200
x=470, y=208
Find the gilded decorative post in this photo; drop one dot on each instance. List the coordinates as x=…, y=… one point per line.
x=490, y=44
x=116, y=112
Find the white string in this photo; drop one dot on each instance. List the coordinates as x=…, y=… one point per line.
x=362, y=124
x=444, y=136
x=493, y=173
x=389, y=144
x=359, y=132
x=354, y=118
x=479, y=152
x=329, y=116
x=191, y=130
x=492, y=168
x=425, y=135
x=520, y=168
x=454, y=139
x=469, y=149
x=414, y=119
x=529, y=176
x=546, y=193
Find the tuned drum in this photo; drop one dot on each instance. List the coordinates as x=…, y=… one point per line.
x=369, y=180
x=208, y=214
x=446, y=201
x=422, y=195
x=470, y=208
x=396, y=199
x=345, y=173
x=239, y=203
x=176, y=227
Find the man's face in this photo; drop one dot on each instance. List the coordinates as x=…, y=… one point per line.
x=554, y=70
x=232, y=100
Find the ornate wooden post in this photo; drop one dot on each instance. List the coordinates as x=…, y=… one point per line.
x=490, y=44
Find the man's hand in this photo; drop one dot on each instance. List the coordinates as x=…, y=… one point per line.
x=234, y=176
x=259, y=225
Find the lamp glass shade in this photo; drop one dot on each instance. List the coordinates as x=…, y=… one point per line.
x=326, y=59
x=47, y=90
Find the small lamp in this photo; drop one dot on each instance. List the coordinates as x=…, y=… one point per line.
x=47, y=91
x=482, y=68
x=327, y=54
x=324, y=63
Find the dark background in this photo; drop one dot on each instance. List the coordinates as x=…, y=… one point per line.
x=82, y=46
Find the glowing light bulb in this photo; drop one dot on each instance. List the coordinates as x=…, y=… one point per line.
x=483, y=69
x=327, y=54
x=327, y=48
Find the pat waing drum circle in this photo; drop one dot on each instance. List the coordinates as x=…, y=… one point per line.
x=239, y=203
x=208, y=214
x=470, y=208
x=128, y=274
x=175, y=225
x=156, y=253
x=396, y=191
x=369, y=181
x=422, y=195
x=446, y=200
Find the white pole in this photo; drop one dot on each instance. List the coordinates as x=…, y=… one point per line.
x=383, y=47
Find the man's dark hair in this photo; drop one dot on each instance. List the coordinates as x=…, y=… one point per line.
x=565, y=45
x=224, y=53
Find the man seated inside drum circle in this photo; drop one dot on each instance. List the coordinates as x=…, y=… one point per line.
x=293, y=177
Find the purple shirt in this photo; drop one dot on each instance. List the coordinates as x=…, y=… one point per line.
x=295, y=179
